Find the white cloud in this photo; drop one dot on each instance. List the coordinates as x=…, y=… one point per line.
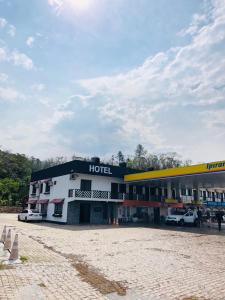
x=21, y=59
x=30, y=41
x=180, y=79
x=197, y=22
x=35, y=136
x=3, y=22
x=12, y=30
x=9, y=94
x=17, y=58
x=3, y=77
x=56, y=4
x=3, y=55
x=39, y=87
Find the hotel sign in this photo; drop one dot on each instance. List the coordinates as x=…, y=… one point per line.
x=100, y=169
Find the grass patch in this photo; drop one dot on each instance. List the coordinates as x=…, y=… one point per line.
x=42, y=284
x=4, y=267
x=23, y=259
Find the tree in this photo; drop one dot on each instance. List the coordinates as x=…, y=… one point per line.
x=120, y=157
x=9, y=191
x=140, y=157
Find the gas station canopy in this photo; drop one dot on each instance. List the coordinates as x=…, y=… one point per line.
x=208, y=175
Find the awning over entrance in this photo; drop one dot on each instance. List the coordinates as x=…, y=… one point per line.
x=42, y=201
x=32, y=201
x=57, y=201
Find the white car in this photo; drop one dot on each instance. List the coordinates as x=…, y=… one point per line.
x=182, y=218
x=29, y=215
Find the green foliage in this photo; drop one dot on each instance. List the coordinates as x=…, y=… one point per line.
x=23, y=259
x=15, y=173
x=144, y=160
x=120, y=157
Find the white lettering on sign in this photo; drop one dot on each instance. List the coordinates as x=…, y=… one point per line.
x=99, y=169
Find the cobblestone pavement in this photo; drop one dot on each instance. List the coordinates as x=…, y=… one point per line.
x=152, y=263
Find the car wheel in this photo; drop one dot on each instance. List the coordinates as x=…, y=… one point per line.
x=181, y=222
x=25, y=219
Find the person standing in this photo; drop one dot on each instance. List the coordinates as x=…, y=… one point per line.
x=208, y=218
x=219, y=218
x=199, y=214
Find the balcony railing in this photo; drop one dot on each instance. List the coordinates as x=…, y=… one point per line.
x=96, y=194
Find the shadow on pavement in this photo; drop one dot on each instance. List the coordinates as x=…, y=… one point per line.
x=195, y=230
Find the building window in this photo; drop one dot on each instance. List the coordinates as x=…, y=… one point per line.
x=44, y=208
x=189, y=192
x=41, y=188
x=165, y=193
x=183, y=192
x=33, y=206
x=139, y=189
x=58, y=209
x=34, y=189
x=47, y=188
x=152, y=191
x=122, y=188
x=70, y=193
x=85, y=185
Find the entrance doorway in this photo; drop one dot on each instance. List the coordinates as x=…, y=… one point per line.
x=156, y=215
x=84, y=213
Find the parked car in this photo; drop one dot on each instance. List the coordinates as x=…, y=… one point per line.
x=182, y=218
x=29, y=215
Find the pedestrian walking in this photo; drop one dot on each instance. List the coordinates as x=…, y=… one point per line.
x=199, y=214
x=208, y=218
x=219, y=218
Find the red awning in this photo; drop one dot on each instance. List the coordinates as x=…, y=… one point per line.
x=56, y=201
x=42, y=201
x=141, y=203
x=176, y=205
x=32, y=201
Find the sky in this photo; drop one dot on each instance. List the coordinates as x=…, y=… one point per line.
x=91, y=77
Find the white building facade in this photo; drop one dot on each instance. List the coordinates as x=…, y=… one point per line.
x=79, y=192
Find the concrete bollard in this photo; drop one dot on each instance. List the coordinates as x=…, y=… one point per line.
x=3, y=236
x=8, y=243
x=14, y=255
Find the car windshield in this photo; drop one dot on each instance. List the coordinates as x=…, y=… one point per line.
x=35, y=211
x=179, y=213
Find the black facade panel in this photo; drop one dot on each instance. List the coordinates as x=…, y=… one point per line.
x=85, y=167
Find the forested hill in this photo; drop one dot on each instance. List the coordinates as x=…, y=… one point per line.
x=15, y=172
x=16, y=169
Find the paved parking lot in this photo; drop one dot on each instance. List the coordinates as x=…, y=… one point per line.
x=71, y=262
